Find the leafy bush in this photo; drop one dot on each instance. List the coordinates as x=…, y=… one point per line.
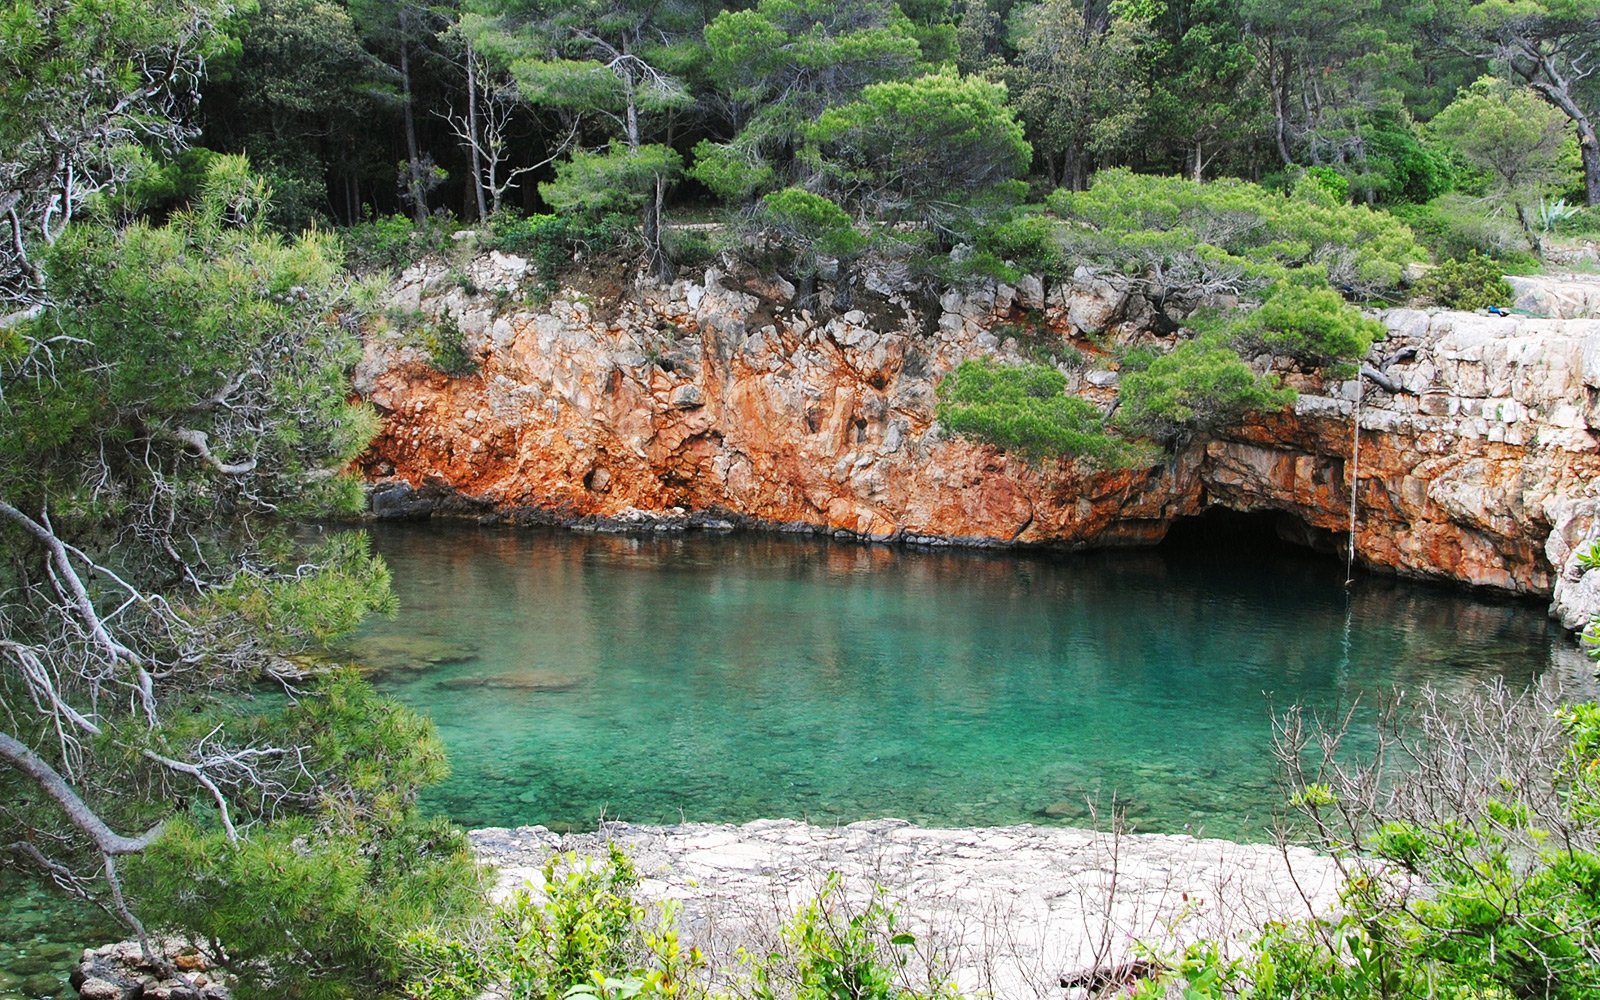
x=393, y=242
x=1330, y=180
x=447, y=347
x=1233, y=233
x=1200, y=385
x=1025, y=409
x=1031, y=242
x=831, y=950
x=1470, y=842
x=313, y=905
x=554, y=243
x=1312, y=325
x=1456, y=225
x=1472, y=282
x=589, y=935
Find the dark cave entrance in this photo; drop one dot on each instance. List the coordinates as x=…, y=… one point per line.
x=1235, y=535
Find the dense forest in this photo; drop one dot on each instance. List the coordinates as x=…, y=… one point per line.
x=1476, y=122
x=188, y=185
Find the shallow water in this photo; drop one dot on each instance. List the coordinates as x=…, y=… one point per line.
x=729, y=678
x=694, y=677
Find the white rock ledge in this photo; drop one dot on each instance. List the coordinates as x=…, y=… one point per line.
x=1013, y=908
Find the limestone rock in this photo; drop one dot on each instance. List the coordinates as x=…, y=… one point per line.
x=828, y=423
x=1012, y=908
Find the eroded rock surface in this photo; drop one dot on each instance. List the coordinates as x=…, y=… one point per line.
x=1011, y=909
x=716, y=400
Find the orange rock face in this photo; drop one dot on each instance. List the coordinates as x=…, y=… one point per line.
x=707, y=398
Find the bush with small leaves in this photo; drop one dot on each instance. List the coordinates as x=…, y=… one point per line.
x=1025, y=409
x=1233, y=234
x=1471, y=282
x=1201, y=385
x=1312, y=325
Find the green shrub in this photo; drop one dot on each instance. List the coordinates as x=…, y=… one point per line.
x=587, y=935
x=447, y=347
x=1471, y=853
x=1200, y=385
x=833, y=950
x=553, y=244
x=314, y=905
x=1312, y=325
x=1456, y=225
x=1233, y=231
x=1031, y=242
x=1585, y=222
x=1025, y=409
x=1330, y=180
x=1472, y=282
x=590, y=936
x=393, y=242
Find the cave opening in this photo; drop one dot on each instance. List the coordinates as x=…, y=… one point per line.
x=1220, y=532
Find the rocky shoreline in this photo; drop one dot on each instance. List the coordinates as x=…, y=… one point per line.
x=715, y=404
x=1012, y=910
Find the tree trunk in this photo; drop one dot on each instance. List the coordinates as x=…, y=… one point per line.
x=1589, y=148
x=659, y=262
x=1549, y=83
x=419, y=198
x=475, y=132
x=1279, y=82
x=1533, y=235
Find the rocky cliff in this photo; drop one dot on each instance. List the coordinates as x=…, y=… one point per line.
x=711, y=400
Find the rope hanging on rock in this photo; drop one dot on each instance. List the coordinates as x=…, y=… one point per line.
x=1355, y=479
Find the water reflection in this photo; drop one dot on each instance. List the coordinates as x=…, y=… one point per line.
x=714, y=678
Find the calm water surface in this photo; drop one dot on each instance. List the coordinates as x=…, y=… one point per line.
x=731, y=678
x=656, y=679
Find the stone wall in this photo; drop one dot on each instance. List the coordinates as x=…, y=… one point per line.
x=717, y=396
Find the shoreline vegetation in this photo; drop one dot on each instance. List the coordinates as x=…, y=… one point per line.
x=198, y=203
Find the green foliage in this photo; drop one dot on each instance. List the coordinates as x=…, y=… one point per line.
x=583, y=933
x=1200, y=385
x=393, y=242
x=1233, y=231
x=1025, y=409
x=1313, y=325
x=1331, y=181
x=314, y=901
x=1500, y=853
x=87, y=89
x=1457, y=225
x=162, y=319
x=447, y=347
x=813, y=220
x=1030, y=241
x=1471, y=283
x=344, y=582
x=553, y=244
x=617, y=180
x=1519, y=140
x=930, y=150
x=830, y=951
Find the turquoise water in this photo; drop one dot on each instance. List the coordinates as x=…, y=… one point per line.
x=41, y=937
x=730, y=678
x=658, y=679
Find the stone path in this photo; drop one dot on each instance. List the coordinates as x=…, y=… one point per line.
x=1010, y=908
